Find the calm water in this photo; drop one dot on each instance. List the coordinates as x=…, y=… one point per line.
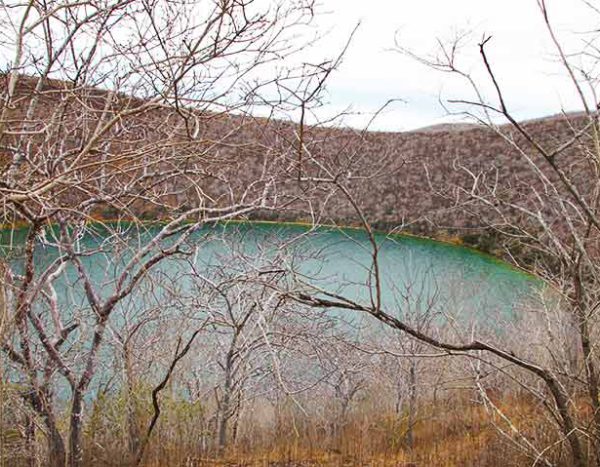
x=420, y=275
x=424, y=282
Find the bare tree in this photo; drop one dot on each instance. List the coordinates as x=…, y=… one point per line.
x=119, y=111
x=242, y=318
x=550, y=211
x=252, y=335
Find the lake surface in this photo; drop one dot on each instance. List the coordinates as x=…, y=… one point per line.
x=424, y=282
x=419, y=275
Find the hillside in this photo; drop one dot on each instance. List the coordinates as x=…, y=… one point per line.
x=416, y=179
x=70, y=156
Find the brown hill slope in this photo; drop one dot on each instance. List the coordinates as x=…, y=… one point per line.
x=422, y=179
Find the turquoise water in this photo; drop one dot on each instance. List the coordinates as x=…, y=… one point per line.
x=420, y=276
x=423, y=282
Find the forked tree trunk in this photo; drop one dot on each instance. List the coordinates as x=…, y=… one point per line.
x=79, y=391
x=567, y=424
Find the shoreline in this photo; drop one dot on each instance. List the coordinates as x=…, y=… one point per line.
x=443, y=242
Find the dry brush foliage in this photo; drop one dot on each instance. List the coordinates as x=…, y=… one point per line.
x=132, y=110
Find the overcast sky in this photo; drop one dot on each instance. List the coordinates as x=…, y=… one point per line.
x=520, y=50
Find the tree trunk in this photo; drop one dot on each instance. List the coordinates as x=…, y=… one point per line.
x=75, y=448
x=224, y=419
x=41, y=402
x=56, y=450
x=225, y=406
x=412, y=402
x=30, y=441
x=567, y=425
x=588, y=360
x=133, y=430
x=76, y=421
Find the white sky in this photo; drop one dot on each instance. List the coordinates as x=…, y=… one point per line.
x=521, y=51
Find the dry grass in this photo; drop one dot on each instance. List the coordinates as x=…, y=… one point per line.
x=457, y=432
x=460, y=434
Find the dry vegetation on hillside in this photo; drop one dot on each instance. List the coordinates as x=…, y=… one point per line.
x=139, y=110
x=417, y=180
